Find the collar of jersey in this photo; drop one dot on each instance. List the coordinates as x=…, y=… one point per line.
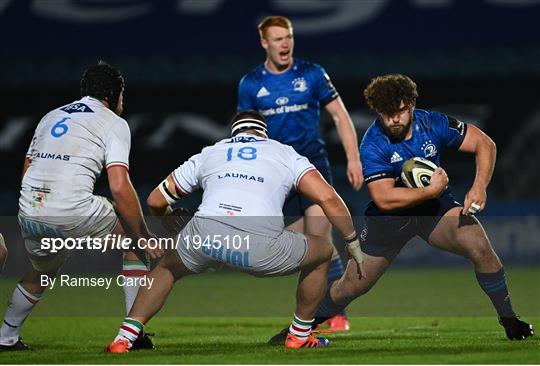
x=250, y=135
x=279, y=73
x=92, y=99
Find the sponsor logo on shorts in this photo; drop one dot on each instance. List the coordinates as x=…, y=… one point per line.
x=363, y=234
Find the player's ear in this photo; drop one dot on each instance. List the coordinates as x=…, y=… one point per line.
x=264, y=43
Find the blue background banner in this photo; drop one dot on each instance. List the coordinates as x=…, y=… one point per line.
x=186, y=27
x=215, y=40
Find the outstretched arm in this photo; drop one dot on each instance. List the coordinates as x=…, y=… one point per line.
x=349, y=140
x=485, y=150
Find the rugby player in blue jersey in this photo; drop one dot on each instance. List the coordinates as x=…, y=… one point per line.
x=397, y=214
x=289, y=92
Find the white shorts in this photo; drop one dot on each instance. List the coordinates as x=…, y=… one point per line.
x=206, y=242
x=100, y=222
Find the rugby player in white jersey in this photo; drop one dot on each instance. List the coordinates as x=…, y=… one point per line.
x=70, y=147
x=239, y=223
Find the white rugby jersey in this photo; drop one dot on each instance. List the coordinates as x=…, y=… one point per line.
x=70, y=147
x=244, y=176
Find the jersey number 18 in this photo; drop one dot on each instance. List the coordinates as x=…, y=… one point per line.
x=244, y=153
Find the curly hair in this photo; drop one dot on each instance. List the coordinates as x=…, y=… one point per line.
x=385, y=93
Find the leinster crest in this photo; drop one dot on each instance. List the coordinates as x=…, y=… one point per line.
x=429, y=149
x=300, y=84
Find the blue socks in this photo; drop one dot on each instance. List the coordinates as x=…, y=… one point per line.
x=327, y=307
x=335, y=271
x=494, y=285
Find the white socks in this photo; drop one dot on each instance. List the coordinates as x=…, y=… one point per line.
x=21, y=304
x=132, y=269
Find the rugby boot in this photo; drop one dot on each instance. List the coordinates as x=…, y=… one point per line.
x=338, y=323
x=17, y=346
x=119, y=346
x=278, y=339
x=143, y=341
x=516, y=329
x=293, y=341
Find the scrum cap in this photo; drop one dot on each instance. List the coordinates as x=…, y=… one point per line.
x=248, y=120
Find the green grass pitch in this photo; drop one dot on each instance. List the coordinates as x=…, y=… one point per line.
x=410, y=317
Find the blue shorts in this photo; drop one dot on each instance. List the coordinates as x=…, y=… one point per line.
x=295, y=204
x=385, y=235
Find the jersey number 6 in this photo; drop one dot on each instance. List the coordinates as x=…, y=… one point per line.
x=60, y=128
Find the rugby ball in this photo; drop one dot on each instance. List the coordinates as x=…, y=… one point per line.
x=416, y=172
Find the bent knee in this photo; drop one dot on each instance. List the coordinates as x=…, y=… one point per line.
x=324, y=254
x=354, y=288
x=481, y=252
x=319, y=251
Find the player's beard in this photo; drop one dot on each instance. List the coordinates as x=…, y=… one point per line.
x=399, y=132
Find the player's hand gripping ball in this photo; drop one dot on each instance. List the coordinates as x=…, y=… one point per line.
x=175, y=221
x=416, y=172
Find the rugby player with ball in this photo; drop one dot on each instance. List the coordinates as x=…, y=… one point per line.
x=400, y=155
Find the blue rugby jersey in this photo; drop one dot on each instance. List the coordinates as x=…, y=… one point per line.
x=290, y=102
x=432, y=131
